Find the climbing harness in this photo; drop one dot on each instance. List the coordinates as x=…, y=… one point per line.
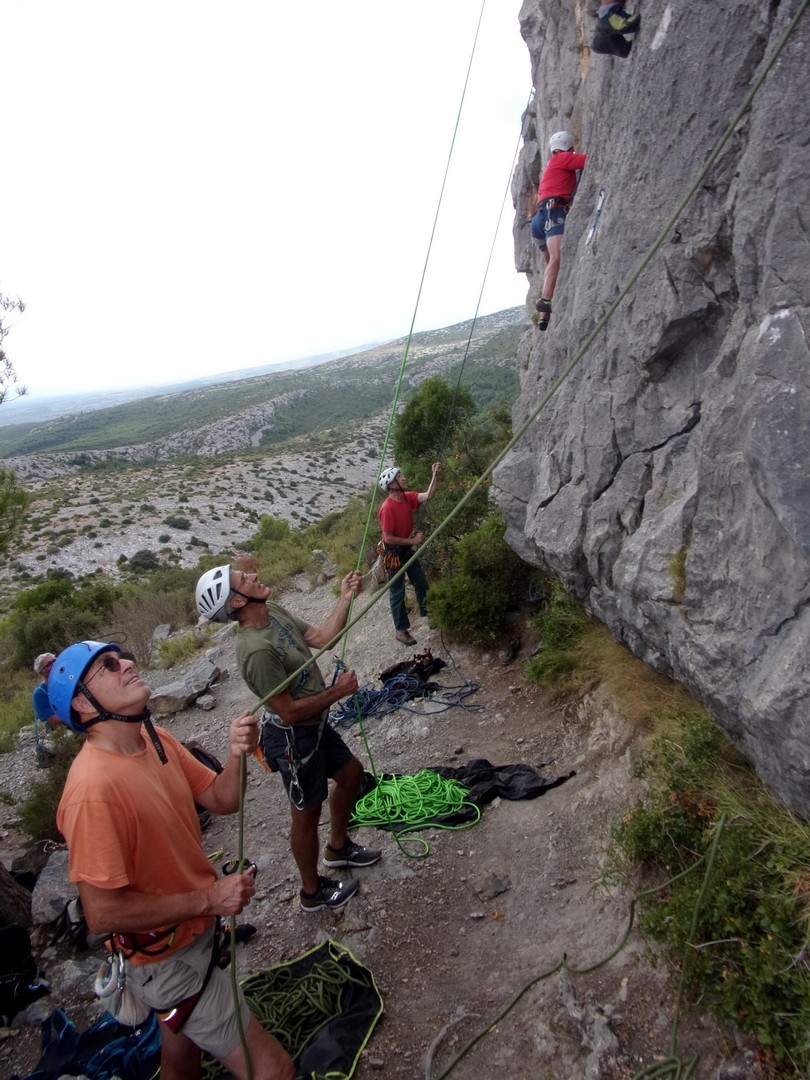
x=389, y=557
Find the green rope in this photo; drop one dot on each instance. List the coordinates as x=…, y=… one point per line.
x=563, y=965
x=581, y=352
x=293, y=1009
x=411, y=803
x=506, y=192
x=398, y=387
x=240, y=852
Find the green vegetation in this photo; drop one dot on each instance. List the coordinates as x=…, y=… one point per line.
x=178, y=649
x=177, y=521
x=13, y=503
x=486, y=581
x=38, y=811
x=53, y=612
x=16, y=710
x=746, y=956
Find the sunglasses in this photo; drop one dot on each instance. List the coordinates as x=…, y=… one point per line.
x=108, y=663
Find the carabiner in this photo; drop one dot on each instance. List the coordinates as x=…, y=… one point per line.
x=233, y=866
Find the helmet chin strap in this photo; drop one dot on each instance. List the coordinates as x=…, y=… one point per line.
x=248, y=599
x=143, y=717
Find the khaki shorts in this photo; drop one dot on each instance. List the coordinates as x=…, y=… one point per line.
x=212, y=1025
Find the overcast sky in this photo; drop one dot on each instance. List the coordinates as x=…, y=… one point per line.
x=193, y=187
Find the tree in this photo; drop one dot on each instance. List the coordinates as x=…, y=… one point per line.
x=435, y=414
x=13, y=501
x=9, y=382
x=13, y=497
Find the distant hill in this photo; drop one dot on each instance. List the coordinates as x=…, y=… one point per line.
x=188, y=472
x=36, y=409
x=240, y=413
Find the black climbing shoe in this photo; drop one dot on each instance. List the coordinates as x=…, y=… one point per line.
x=609, y=44
x=543, y=305
x=542, y=324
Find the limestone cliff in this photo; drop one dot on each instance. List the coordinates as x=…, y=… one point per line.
x=666, y=482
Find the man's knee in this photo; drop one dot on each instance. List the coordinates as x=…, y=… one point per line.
x=306, y=818
x=350, y=776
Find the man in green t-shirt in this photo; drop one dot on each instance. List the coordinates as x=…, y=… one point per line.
x=296, y=738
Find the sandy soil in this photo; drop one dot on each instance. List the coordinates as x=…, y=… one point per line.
x=447, y=954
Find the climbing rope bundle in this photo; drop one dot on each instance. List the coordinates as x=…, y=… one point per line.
x=304, y=1002
x=424, y=800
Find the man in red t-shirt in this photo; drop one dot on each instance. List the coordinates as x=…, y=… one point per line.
x=554, y=197
x=396, y=519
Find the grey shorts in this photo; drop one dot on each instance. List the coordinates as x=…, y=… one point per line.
x=212, y=1025
x=306, y=785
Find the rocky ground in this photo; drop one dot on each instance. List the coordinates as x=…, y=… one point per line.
x=453, y=937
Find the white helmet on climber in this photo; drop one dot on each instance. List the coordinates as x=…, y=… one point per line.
x=388, y=476
x=561, y=140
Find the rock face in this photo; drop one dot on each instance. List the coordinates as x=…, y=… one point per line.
x=666, y=481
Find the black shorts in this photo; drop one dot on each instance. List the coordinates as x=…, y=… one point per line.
x=285, y=748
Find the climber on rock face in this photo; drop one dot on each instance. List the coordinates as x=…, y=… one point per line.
x=612, y=23
x=554, y=197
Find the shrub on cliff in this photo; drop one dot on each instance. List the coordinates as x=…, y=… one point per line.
x=486, y=581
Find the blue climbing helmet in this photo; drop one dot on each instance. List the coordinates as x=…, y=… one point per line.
x=65, y=679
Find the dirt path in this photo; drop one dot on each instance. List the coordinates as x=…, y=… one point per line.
x=446, y=953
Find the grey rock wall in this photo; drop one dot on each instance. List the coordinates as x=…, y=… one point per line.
x=666, y=483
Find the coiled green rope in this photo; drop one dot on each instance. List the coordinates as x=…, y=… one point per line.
x=294, y=1008
x=407, y=803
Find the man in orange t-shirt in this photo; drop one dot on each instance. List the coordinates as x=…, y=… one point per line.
x=128, y=815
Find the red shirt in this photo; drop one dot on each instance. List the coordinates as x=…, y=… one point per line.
x=396, y=517
x=559, y=176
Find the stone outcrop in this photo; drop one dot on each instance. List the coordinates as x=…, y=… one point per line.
x=666, y=482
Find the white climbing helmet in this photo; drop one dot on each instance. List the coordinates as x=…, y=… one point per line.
x=388, y=476
x=213, y=592
x=561, y=140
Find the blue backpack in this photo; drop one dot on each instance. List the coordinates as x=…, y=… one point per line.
x=106, y=1050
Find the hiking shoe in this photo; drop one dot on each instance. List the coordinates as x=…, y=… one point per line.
x=329, y=894
x=405, y=637
x=610, y=44
x=619, y=21
x=351, y=854
x=543, y=305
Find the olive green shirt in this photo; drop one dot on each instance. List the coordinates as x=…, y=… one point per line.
x=268, y=655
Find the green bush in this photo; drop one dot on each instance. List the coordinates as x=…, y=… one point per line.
x=16, y=711
x=38, y=811
x=487, y=581
x=55, y=613
x=175, y=650
x=561, y=626
x=747, y=955
x=177, y=521
x=144, y=560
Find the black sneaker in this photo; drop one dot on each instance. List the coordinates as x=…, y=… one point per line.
x=330, y=894
x=351, y=854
